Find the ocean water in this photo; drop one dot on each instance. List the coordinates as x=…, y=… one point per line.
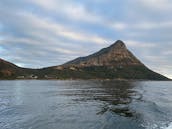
x=34, y=104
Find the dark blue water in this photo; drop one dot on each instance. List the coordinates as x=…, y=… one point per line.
x=85, y=105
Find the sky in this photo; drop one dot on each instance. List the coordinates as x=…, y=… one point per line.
x=41, y=33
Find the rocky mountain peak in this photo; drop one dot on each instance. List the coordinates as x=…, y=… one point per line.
x=115, y=55
x=119, y=44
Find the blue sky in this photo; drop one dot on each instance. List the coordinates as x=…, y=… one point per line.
x=41, y=33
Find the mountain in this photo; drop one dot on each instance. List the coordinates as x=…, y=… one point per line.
x=11, y=71
x=115, y=55
x=113, y=62
x=7, y=69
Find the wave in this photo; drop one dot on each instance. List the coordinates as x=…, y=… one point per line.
x=169, y=127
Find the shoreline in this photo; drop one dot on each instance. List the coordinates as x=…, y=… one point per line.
x=85, y=79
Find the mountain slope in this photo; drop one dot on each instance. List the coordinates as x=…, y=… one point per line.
x=113, y=62
x=115, y=55
x=11, y=71
x=7, y=69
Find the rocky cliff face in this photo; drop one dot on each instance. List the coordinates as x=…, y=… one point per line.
x=115, y=55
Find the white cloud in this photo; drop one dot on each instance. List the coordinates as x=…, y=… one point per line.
x=38, y=27
x=42, y=38
x=152, y=25
x=156, y=5
x=78, y=12
x=117, y=25
x=142, y=25
x=168, y=52
x=69, y=9
x=67, y=51
x=139, y=44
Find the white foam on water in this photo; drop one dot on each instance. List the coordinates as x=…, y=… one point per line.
x=169, y=127
x=155, y=126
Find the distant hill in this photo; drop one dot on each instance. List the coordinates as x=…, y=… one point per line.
x=11, y=71
x=113, y=62
x=7, y=69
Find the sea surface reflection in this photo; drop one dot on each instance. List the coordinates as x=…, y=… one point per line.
x=94, y=104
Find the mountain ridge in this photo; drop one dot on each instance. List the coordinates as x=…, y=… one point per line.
x=113, y=62
x=115, y=54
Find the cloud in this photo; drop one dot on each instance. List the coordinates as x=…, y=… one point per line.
x=140, y=44
x=57, y=31
x=167, y=53
x=117, y=25
x=78, y=12
x=40, y=37
x=69, y=9
x=157, y=5
x=39, y=24
x=153, y=25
